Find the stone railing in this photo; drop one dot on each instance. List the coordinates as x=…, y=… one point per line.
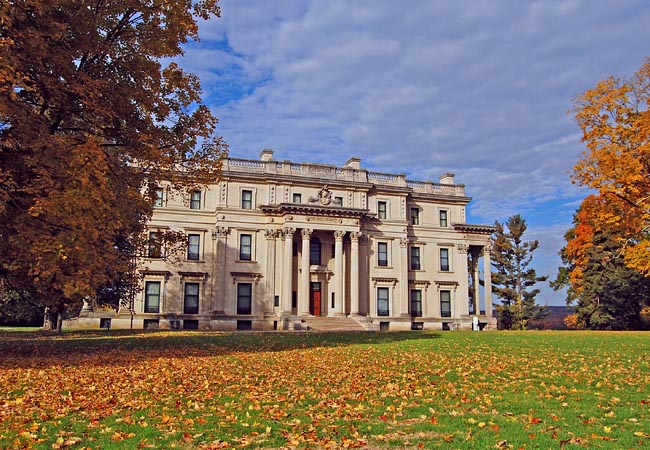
x=331, y=172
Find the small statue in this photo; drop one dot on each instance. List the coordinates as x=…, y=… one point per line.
x=324, y=196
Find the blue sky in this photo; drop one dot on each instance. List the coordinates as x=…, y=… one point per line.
x=482, y=89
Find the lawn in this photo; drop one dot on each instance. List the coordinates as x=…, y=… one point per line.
x=339, y=390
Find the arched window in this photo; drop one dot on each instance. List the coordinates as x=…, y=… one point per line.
x=314, y=251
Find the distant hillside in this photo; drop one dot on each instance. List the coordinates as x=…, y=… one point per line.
x=554, y=320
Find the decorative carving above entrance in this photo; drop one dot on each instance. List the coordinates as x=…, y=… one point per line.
x=325, y=219
x=325, y=198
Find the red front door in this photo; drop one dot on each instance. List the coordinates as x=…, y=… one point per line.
x=314, y=299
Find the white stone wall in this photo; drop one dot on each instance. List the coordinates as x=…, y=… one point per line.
x=221, y=221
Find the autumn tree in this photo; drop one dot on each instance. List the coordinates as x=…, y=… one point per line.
x=606, y=292
x=513, y=276
x=93, y=117
x=614, y=118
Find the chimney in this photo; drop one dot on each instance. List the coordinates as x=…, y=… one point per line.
x=266, y=154
x=447, y=178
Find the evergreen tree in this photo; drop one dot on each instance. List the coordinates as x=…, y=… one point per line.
x=513, y=277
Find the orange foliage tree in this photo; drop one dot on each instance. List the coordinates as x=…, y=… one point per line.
x=91, y=121
x=614, y=118
x=608, y=294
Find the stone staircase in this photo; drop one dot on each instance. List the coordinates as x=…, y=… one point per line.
x=331, y=324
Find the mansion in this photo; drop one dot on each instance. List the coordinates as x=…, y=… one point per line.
x=274, y=244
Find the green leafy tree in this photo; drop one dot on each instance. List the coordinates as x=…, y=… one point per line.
x=91, y=123
x=513, y=276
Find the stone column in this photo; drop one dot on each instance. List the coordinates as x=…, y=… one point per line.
x=462, y=301
x=287, y=270
x=220, y=234
x=487, y=280
x=270, y=271
x=338, y=272
x=354, y=273
x=403, y=298
x=476, y=284
x=303, y=286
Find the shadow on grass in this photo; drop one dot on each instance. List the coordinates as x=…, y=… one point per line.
x=122, y=347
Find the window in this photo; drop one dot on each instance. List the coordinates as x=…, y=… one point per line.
x=382, y=254
x=415, y=216
x=245, y=247
x=244, y=325
x=297, y=198
x=381, y=210
x=244, y=298
x=246, y=199
x=193, y=246
x=416, y=303
x=155, y=245
x=443, y=218
x=444, y=259
x=152, y=297
x=158, y=197
x=314, y=251
x=382, y=301
x=150, y=324
x=445, y=304
x=195, y=200
x=190, y=324
x=191, y=298
x=415, y=258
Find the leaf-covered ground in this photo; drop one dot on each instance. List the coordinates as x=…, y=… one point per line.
x=305, y=390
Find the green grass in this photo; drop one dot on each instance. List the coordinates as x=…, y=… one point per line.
x=123, y=389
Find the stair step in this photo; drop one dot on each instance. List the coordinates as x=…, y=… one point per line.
x=332, y=324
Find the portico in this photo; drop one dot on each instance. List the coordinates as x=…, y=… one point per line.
x=323, y=277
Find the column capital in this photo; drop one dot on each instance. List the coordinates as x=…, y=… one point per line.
x=338, y=235
x=288, y=232
x=306, y=233
x=355, y=236
x=271, y=233
x=220, y=232
x=463, y=248
x=486, y=250
x=403, y=242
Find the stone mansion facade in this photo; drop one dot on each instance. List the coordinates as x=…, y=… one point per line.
x=275, y=242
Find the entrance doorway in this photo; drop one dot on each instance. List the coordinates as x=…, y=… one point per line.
x=314, y=299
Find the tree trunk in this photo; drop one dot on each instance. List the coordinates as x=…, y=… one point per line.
x=59, y=323
x=47, y=319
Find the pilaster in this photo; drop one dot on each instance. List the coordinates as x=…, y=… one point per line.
x=404, y=278
x=462, y=301
x=270, y=235
x=219, y=236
